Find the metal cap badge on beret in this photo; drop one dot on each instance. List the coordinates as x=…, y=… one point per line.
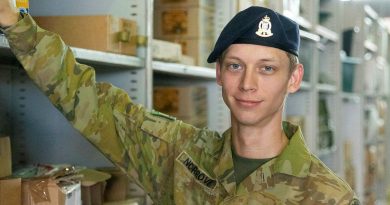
x=259, y=26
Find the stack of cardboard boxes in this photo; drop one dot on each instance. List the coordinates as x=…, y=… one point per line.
x=62, y=184
x=31, y=191
x=189, y=23
x=47, y=184
x=43, y=190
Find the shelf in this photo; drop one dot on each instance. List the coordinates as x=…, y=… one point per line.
x=107, y=58
x=299, y=19
x=327, y=33
x=113, y=59
x=370, y=46
x=373, y=95
x=186, y=70
x=305, y=85
x=310, y=36
x=375, y=141
x=87, y=55
x=327, y=88
x=351, y=60
x=350, y=97
x=370, y=12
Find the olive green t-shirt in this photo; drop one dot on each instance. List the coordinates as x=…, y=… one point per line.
x=243, y=167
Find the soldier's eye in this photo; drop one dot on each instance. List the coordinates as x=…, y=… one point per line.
x=267, y=69
x=234, y=66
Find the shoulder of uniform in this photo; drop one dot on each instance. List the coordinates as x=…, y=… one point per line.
x=327, y=180
x=210, y=142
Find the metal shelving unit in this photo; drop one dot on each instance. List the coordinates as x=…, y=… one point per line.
x=36, y=125
x=24, y=104
x=371, y=81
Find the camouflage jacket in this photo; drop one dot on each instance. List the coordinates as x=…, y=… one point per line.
x=174, y=162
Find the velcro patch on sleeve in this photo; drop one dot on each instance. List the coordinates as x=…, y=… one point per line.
x=160, y=127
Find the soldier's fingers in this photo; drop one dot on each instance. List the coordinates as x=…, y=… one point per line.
x=7, y=4
x=8, y=13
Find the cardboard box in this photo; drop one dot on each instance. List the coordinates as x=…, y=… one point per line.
x=186, y=3
x=187, y=60
x=10, y=191
x=120, y=188
x=93, y=194
x=117, y=186
x=5, y=157
x=188, y=104
x=179, y=100
x=47, y=192
x=101, y=33
x=197, y=48
x=93, y=185
x=133, y=201
x=166, y=51
x=183, y=22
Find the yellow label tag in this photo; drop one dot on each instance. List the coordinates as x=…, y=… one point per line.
x=22, y=4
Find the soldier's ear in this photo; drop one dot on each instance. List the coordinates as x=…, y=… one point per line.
x=295, y=80
x=218, y=73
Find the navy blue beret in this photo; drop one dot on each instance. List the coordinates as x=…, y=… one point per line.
x=259, y=26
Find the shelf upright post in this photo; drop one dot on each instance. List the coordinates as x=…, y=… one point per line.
x=143, y=14
x=387, y=128
x=148, y=54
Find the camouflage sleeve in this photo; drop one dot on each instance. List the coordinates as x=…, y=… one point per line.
x=139, y=142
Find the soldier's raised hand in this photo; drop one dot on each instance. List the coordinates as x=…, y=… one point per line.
x=9, y=14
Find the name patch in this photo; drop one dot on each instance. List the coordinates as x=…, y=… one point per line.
x=198, y=173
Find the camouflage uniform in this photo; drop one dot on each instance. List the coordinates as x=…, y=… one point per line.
x=174, y=162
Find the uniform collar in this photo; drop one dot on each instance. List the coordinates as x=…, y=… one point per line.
x=294, y=160
x=224, y=170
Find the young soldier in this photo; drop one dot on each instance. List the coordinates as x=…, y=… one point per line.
x=259, y=160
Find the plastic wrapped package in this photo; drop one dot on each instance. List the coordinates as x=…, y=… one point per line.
x=50, y=185
x=47, y=191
